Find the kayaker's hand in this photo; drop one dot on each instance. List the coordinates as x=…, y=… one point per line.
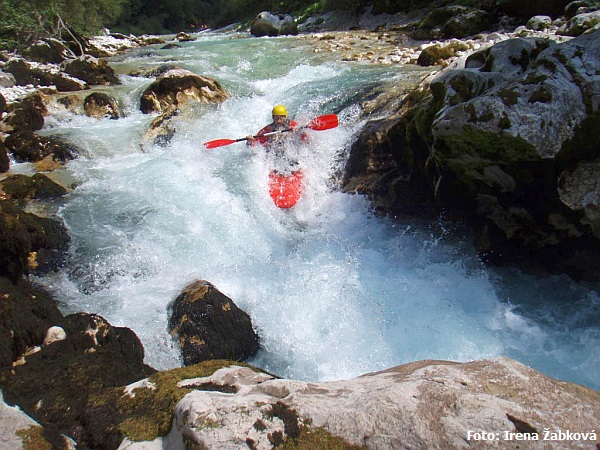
x=249, y=140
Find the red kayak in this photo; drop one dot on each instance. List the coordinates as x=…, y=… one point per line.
x=285, y=190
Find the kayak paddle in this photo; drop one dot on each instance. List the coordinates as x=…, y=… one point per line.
x=320, y=123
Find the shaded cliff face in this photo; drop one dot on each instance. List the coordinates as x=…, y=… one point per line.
x=507, y=143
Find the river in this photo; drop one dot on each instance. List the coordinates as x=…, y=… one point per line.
x=333, y=290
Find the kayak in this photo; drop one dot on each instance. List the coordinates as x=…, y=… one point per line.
x=285, y=189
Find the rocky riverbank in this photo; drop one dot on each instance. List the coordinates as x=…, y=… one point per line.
x=408, y=161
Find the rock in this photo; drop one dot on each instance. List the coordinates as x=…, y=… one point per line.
x=28, y=146
x=26, y=115
x=437, y=53
x=539, y=23
x=92, y=70
x=176, y=88
x=19, y=431
x=453, y=21
x=48, y=50
x=38, y=186
x=486, y=143
x=27, y=313
x=161, y=130
x=99, y=106
x=209, y=325
x=28, y=243
x=7, y=79
x=269, y=24
x=184, y=37
x=581, y=23
x=54, y=334
x=579, y=189
x=425, y=404
x=170, y=46
x=2, y=104
x=22, y=72
x=578, y=7
x=93, y=357
x=4, y=159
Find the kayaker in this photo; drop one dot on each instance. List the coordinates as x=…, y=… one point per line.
x=275, y=144
x=280, y=123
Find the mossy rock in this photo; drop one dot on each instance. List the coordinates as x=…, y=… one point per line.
x=148, y=412
x=433, y=54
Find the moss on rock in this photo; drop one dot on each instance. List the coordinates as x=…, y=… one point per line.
x=33, y=438
x=147, y=413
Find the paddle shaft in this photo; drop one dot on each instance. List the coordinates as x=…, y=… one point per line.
x=320, y=123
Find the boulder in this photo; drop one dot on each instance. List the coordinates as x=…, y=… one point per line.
x=161, y=130
x=26, y=146
x=425, y=404
x=55, y=384
x=23, y=72
x=508, y=144
x=26, y=115
x=209, y=325
x=269, y=24
x=453, y=21
x=92, y=70
x=436, y=54
x=176, y=88
x=184, y=37
x=100, y=105
x=27, y=312
x=539, y=23
x=48, y=50
x=38, y=186
x=29, y=243
x=7, y=79
x=581, y=23
x=19, y=430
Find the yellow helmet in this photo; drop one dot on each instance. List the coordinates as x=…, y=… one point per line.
x=279, y=110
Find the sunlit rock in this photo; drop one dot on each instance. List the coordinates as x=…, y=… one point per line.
x=176, y=88
x=49, y=50
x=209, y=325
x=54, y=334
x=92, y=70
x=26, y=115
x=99, y=106
x=425, y=404
x=269, y=24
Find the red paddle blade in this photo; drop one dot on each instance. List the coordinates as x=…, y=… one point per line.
x=219, y=143
x=325, y=122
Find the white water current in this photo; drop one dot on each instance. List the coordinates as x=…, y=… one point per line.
x=333, y=291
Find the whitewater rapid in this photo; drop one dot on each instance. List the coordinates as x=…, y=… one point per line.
x=333, y=290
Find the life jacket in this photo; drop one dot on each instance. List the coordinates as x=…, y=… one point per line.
x=288, y=124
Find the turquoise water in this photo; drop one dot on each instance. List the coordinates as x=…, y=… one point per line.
x=333, y=291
